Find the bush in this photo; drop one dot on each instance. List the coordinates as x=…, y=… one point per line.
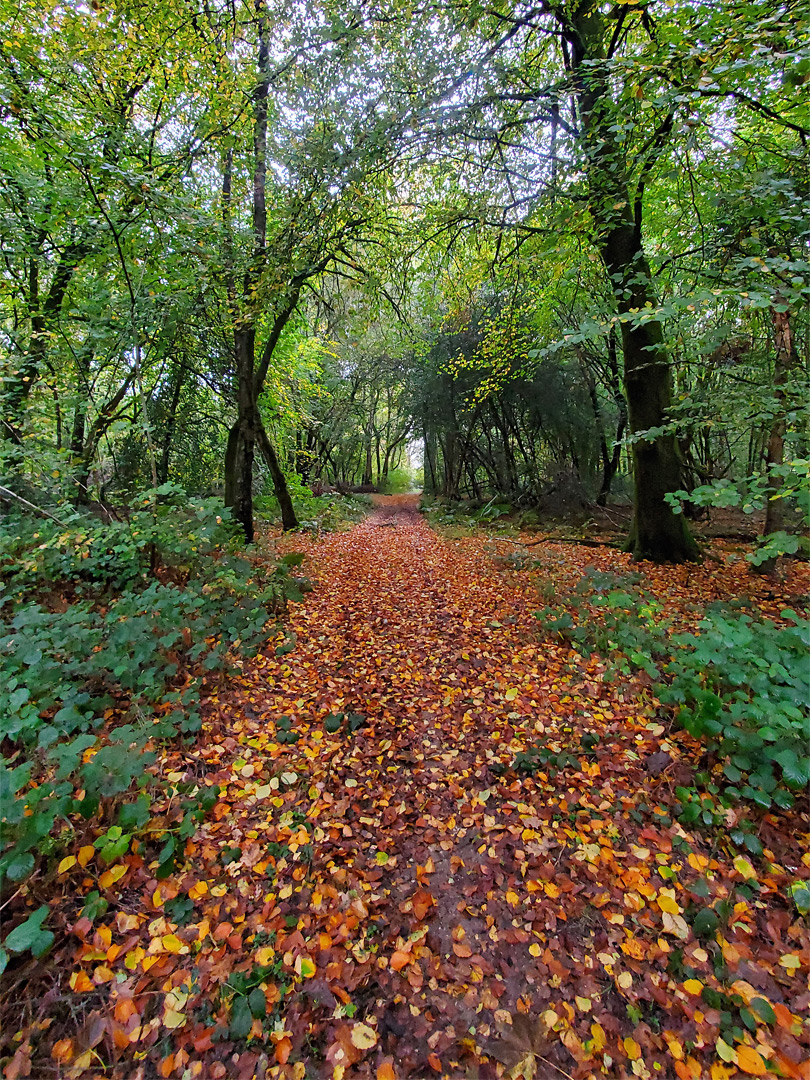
x=401, y=481
x=106, y=633
x=739, y=682
x=331, y=512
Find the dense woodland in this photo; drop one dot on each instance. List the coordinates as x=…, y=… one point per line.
x=547, y=263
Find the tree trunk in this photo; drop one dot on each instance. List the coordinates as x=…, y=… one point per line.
x=243, y=450
x=288, y=516
x=171, y=423
x=787, y=358
x=657, y=533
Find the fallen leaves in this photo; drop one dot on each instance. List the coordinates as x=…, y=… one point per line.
x=397, y=900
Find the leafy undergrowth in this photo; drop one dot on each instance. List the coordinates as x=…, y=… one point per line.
x=382, y=888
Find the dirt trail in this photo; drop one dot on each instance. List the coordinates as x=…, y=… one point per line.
x=400, y=899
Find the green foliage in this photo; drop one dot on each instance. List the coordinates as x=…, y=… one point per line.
x=317, y=513
x=400, y=481
x=739, y=683
x=750, y=494
x=107, y=632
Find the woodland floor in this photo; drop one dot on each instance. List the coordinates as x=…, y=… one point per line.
x=422, y=913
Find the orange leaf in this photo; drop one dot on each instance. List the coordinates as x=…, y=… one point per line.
x=385, y=1071
x=63, y=1051
x=750, y=1061
x=283, y=1050
x=81, y=982
x=85, y=854
x=435, y=1062
x=400, y=960
x=422, y=903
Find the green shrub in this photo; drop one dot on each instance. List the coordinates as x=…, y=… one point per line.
x=106, y=633
x=400, y=481
x=739, y=683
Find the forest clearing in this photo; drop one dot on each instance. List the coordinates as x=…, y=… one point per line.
x=404, y=537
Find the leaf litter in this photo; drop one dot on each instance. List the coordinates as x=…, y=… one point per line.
x=377, y=892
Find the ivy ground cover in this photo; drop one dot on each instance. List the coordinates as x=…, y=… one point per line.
x=436, y=843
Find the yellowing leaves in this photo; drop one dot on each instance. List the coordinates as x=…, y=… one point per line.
x=173, y=1019
x=172, y=944
x=66, y=863
x=744, y=867
x=667, y=901
x=693, y=986
x=632, y=1048
x=265, y=956
x=198, y=890
x=305, y=967
x=85, y=854
x=109, y=877
x=363, y=1036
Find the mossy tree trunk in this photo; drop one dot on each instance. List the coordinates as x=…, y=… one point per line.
x=657, y=533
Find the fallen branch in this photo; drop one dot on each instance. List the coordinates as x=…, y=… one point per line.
x=558, y=540
x=6, y=493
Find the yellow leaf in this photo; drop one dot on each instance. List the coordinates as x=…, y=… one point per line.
x=66, y=863
x=693, y=986
x=381, y=858
x=667, y=902
x=512, y=898
x=173, y=944
x=551, y=890
x=724, y=1051
x=583, y=1003
x=721, y=1072
x=363, y=1036
x=198, y=890
x=81, y=982
x=744, y=867
x=534, y=949
x=790, y=962
x=675, y=1049
x=632, y=1049
x=265, y=956
x=598, y=1037
x=511, y=693
x=173, y=1019
x=625, y=980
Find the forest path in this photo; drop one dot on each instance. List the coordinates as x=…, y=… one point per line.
x=439, y=902
x=401, y=898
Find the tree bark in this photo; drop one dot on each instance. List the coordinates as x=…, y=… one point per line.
x=171, y=423
x=657, y=532
x=787, y=358
x=288, y=516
